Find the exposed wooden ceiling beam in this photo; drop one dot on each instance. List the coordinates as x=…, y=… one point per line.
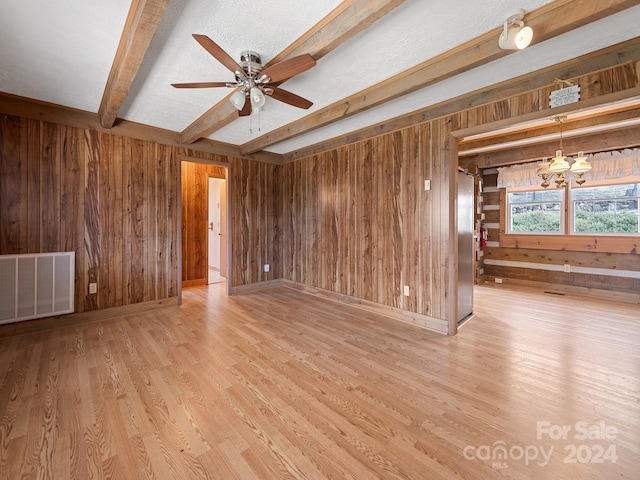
x=141, y=25
x=570, y=128
x=606, y=58
x=213, y=119
x=547, y=22
x=345, y=21
x=617, y=139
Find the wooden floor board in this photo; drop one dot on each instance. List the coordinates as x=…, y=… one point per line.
x=278, y=384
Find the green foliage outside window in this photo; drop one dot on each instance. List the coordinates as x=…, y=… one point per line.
x=602, y=209
x=547, y=221
x=606, y=209
x=606, y=217
x=536, y=211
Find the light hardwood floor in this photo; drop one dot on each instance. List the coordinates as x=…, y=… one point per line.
x=279, y=384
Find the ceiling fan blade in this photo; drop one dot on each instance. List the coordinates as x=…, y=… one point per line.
x=288, y=68
x=246, y=110
x=219, y=54
x=199, y=85
x=288, y=97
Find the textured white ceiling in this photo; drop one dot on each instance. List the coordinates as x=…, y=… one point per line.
x=61, y=52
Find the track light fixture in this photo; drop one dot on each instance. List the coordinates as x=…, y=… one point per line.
x=515, y=36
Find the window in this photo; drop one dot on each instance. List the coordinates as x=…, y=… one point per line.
x=606, y=209
x=602, y=207
x=535, y=211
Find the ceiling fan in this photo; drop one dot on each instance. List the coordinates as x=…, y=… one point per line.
x=252, y=81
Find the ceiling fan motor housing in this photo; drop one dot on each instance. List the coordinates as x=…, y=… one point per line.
x=251, y=63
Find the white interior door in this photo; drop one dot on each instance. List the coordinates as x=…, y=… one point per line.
x=213, y=226
x=223, y=228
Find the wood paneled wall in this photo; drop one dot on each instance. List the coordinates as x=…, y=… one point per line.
x=113, y=200
x=256, y=218
x=110, y=199
x=358, y=222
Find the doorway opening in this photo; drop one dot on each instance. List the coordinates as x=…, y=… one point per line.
x=217, y=231
x=205, y=244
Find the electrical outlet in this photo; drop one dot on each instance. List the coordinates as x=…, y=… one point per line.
x=93, y=288
x=567, y=268
x=498, y=280
x=406, y=290
x=266, y=267
x=427, y=185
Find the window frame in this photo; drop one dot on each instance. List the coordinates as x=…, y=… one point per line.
x=598, y=183
x=534, y=188
x=567, y=219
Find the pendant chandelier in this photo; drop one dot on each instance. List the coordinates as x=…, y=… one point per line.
x=559, y=165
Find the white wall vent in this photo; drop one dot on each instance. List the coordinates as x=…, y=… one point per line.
x=36, y=285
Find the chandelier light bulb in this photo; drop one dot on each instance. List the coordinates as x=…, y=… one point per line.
x=559, y=164
x=581, y=165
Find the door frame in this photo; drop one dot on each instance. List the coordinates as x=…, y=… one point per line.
x=227, y=166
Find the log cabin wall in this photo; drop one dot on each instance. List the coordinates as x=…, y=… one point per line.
x=113, y=201
x=359, y=223
x=606, y=265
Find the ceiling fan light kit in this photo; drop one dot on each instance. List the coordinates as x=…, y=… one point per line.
x=252, y=80
x=257, y=97
x=238, y=99
x=515, y=35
